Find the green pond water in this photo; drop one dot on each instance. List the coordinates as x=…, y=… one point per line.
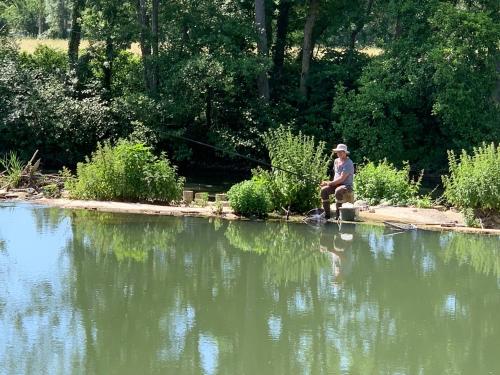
x=83, y=292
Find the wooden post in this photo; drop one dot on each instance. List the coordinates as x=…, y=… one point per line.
x=220, y=197
x=187, y=196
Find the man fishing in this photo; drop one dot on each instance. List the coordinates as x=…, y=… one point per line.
x=342, y=183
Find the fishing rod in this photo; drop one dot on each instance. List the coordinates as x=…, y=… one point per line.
x=234, y=153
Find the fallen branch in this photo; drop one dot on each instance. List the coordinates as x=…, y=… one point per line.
x=32, y=159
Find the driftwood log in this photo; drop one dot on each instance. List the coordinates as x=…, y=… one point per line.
x=29, y=171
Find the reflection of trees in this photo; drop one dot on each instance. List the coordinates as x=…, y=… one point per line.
x=481, y=252
x=109, y=233
x=412, y=305
x=184, y=295
x=166, y=310
x=122, y=303
x=290, y=255
x=48, y=218
x=399, y=309
x=39, y=329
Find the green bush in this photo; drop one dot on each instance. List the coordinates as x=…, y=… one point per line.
x=128, y=171
x=474, y=180
x=250, y=198
x=299, y=165
x=51, y=191
x=45, y=59
x=384, y=182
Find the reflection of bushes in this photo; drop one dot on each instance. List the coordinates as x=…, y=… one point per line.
x=127, y=237
x=481, y=252
x=48, y=218
x=291, y=255
x=248, y=239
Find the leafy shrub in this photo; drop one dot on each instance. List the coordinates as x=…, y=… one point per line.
x=470, y=218
x=128, y=171
x=474, y=180
x=51, y=191
x=299, y=165
x=45, y=59
x=218, y=208
x=383, y=181
x=424, y=201
x=250, y=198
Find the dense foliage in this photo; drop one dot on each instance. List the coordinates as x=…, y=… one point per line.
x=376, y=182
x=299, y=164
x=202, y=69
x=38, y=110
x=474, y=180
x=432, y=89
x=249, y=198
x=127, y=171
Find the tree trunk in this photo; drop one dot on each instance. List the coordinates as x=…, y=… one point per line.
x=312, y=14
x=41, y=17
x=359, y=26
x=281, y=33
x=108, y=67
x=269, y=21
x=397, y=29
x=209, y=105
x=154, y=42
x=260, y=23
x=496, y=92
x=61, y=22
x=75, y=34
x=144, y=42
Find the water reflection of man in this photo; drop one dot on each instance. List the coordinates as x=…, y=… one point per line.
x=338, y=247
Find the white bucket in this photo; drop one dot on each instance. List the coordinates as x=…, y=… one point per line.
x=348, y=213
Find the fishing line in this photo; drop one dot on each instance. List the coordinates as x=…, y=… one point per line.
x=239, y=155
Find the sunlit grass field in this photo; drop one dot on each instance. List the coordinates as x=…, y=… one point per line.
x=29, y=45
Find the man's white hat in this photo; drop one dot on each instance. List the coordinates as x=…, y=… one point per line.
x=341, y=147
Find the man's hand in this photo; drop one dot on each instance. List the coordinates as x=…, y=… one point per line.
x=327, y=183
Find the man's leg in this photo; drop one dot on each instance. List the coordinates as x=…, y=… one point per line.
x=325, y=193
x=340, y=193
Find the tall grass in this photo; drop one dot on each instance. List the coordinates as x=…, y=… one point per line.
x=11, y=167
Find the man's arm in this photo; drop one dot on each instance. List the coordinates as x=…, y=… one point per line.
x=336, y=182
x=339, y=180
